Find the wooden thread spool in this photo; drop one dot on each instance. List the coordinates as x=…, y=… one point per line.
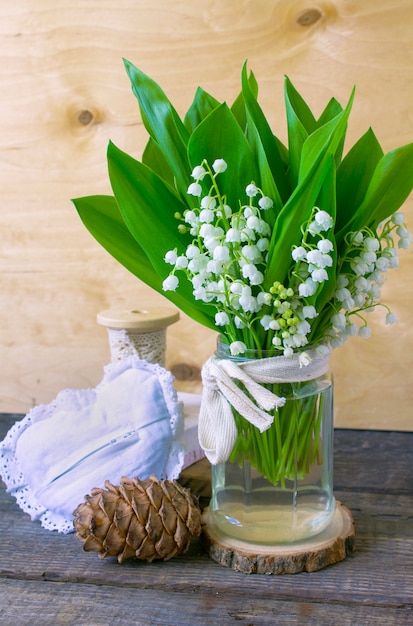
x=138, y=332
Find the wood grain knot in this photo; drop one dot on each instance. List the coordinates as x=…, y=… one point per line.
x=309, y=17
x=184, y=371
x=85, y=117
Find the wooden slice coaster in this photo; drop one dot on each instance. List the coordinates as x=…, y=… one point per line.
x=330, y=546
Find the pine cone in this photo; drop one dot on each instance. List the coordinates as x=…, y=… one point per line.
x=144, y=519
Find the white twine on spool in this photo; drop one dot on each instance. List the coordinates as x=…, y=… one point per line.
x=217, y=431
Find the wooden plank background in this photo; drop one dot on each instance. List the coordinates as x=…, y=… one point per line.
x=64, y=94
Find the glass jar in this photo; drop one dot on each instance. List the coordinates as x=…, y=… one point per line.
x=277, y=486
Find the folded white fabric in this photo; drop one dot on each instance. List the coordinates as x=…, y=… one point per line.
x=129, y=425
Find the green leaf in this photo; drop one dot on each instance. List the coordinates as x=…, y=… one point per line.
x=332, y=109
x=147, y=205
x=201, y=106
x=315, y=165
x=287, y=229
x=300, y=124
x=265, y=147
x=101, y=216
x=219, y=136
x=162, y=123
x=299, y=106
x=154, y=158
x=238, y=107
x=354, y=175
x=283, y=152
x=390, y=185
x=327, y=199
x=325, y=140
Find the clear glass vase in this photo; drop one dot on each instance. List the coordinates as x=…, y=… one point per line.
x=277, y=486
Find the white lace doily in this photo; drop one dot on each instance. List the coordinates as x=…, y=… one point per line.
x=129, y=425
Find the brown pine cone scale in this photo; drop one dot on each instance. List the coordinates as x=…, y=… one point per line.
x=142, y=519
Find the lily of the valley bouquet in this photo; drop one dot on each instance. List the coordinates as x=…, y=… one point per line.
x=282, y=250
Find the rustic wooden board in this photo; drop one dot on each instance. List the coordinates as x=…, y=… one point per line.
x=47, y=604
x=65, y=94
x=47, y=577
x=381, y=566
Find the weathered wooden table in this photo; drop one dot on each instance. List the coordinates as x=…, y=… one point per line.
x=47, y=579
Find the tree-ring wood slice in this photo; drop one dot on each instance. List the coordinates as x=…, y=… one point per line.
x=331, y=546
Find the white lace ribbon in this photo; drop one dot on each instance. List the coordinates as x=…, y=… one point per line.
x=217, y=431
